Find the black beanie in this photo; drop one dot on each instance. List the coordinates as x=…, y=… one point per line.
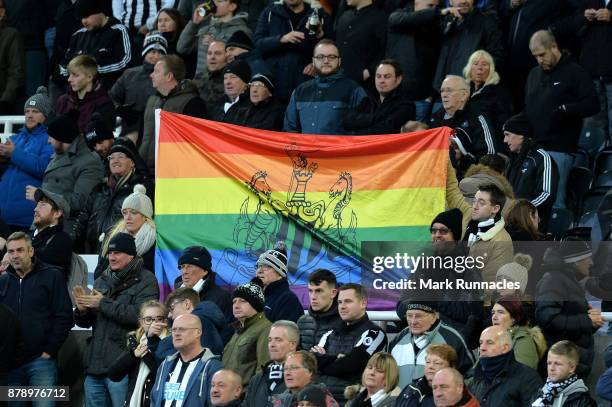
x=266, y=80
x=85, y=8
x=314, y=395
x=252, y=293
x=126, y=146
x=240, y=68
x=97, y=131
x=240, y=39
x=453, y=220
x=518, y=124
x=122, y=242
x=64, y=127
x=196, y=255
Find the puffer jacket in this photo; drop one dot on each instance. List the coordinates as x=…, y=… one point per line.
x=95, y=101
x=247, y=350
x=416, y=394
x=314, y=324
x=412, y=364
x=574, y=395
x=117, y=315
x=191, y=38
x=26, y=167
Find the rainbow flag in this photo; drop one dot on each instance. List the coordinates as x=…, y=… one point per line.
x=237, y=191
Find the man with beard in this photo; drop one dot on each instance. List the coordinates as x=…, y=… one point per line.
x=320, y=105
x=51, y=243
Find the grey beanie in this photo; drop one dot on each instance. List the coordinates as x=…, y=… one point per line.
x=40, y=100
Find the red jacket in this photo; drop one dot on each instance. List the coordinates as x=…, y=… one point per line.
x=95, y=101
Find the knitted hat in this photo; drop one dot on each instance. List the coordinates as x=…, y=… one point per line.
x=259, y=77
x=419, y=305
x=155, y=40
x=463, y=142
x=240, y=39
x=251, y=293
x=126, y=146
x=240, y=68
x=139, y=201
x=275, y=258
x=97, y=131
x=122, y=242
x=313, y=394
x=453, y=220
x=518, y=124
x=40, y=100
x=59, y=200
x=574, y=251
x=517, y=271
x=64, y=128
x=85, y=8
x=196, y=255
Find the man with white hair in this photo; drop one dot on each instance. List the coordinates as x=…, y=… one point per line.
x=498, y=379
x=475, y=136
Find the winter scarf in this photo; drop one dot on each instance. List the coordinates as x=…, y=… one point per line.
x=552, y=389
x=491, y=366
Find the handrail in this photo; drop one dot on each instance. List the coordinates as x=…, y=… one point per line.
x=9, y=122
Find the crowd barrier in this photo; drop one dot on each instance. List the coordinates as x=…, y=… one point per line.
x=9, y=126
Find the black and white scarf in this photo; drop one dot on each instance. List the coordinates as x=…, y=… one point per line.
x=552, y=389
x=273, y=375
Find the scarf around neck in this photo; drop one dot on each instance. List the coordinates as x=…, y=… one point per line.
x=493, y=365
x=475, y=229
x=552, y=389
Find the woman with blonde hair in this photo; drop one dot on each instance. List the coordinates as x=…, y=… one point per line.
x=137, y=212
x=487, y=96
x=378, y=383
x=138, y=360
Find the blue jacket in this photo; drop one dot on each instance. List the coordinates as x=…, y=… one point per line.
x=320, y=105
x=213, y=322
x=27, y=166
x=42, y=304
x=197, y=392
x=281, y=302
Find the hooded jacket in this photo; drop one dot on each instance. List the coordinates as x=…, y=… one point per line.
x=191, y=38
x=566, y=84
x=479, y=174
x=281, y=302
x=574, y=395
x=527, y=344
x=197, y=391
x=412, y=364
x=26, y=167
x=95, y=101
x=320, y=105
x=314, y=324
x=42, y=305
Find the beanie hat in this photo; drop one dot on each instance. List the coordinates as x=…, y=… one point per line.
x=97, y=131
x=85, y=8
x=139, y=201
x=240, y=39
x=126, y=146
x=64, y=128
x=122, y=242
x=155, y=40
x=419, y=305
x=252, y=293
x=259, y=77
x=196, y=255
x=313, y=394
x=453, y=220
x=463, y=142
x=275, y=258
x=240, y=68
x=40, y=100
x=59, y=200
x=518, y=124
x=574, y=251
x=517, y=271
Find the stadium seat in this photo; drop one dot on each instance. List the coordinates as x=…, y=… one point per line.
x=592, y=140
x=560, y=221
x=580, y=181
x=587, y=220
x=603, y=180
x=603, y=162
x=592, y=199
x=582, y=159
x=577, y=233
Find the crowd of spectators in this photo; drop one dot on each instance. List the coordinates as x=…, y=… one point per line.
x=523, y=84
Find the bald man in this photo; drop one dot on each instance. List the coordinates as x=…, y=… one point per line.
x=226, y=389
x=498, y=379
x=559, y=95
x=448, y=390
x=185, y=377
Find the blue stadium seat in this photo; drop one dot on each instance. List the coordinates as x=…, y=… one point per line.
x=592, y=140
x=560, y=221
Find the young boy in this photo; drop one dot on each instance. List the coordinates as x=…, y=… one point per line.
x=86, y=94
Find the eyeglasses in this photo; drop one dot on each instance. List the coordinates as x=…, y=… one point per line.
x=180, y=329
x=442, y=231
x=149, y=320
x=293, y=368
x=257, y=85
x=116, y=157
x=330, y=58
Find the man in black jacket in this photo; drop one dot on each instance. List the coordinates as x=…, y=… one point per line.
x=51, y=244
x=498, y=379
x=532, y=173
x=36, y=292
x=560, y=94
x=236, y=76
x=392, y=108
x=414, y=40
x=356, y=338
x=264, y=112
x=112, y=310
